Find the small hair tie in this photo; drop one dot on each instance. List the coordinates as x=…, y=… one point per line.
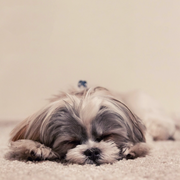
x=82, y=84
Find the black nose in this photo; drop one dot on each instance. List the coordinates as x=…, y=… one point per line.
x=93, y=154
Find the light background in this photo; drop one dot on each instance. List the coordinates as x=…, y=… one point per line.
x=49, y=45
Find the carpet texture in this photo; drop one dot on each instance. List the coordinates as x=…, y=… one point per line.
x=163, y=163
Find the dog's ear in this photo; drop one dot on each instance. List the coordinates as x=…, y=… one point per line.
x=30, y=128
x=138, y=129
x=135, y=127
x=19, y=131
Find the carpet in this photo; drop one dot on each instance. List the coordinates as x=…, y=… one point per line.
x=163, y=163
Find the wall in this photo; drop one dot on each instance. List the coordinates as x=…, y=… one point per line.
x=47, y=46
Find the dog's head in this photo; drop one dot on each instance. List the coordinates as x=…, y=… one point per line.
x=87, y=127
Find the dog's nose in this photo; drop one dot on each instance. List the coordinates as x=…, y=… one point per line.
x=93, y=153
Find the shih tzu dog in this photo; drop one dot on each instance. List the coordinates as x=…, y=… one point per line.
x=89, y=126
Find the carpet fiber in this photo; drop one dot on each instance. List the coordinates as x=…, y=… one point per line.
x=162, y=163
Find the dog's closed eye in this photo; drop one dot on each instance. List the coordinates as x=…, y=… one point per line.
x=104, y=137
x=72, y=142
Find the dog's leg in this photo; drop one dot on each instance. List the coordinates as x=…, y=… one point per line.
x=29, y=150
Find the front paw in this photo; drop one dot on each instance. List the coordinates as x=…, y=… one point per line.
x=137, y=150
x=40, y=153
x=28, y=150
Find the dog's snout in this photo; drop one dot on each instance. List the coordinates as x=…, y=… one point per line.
x=93, y=153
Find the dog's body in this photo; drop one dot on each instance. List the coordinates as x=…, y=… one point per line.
x=90, y=126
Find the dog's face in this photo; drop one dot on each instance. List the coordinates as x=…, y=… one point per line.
x=91, y=127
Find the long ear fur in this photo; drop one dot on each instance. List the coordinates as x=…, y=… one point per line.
x=135, y=127
x=138, y=128
x=30, y=127
x=19, y=131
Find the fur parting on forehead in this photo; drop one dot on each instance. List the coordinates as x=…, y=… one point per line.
x=89, y=109
x=109, y=152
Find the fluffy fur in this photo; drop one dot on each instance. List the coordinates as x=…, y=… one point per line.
x=89, y=126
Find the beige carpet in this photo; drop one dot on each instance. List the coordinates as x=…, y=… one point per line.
x=162, y=163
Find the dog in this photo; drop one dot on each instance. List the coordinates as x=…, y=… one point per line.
x=91, y=126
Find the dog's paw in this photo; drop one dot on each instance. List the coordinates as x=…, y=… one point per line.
x=138, y=150
x=39, y=153
x=29, y=150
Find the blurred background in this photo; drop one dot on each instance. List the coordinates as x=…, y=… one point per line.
x=47, y=46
